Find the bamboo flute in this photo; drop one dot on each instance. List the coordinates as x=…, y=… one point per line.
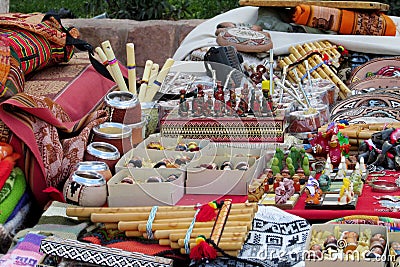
x=133, y=233
x=344, y=90
x=85, y=212
x=222, y=245
x=104, y=60
x=133, y=225
x=312, y=62
x=156, y=84
x=131, y=65
x=298, y=56
x=177, y=237
x=163, y=234
x=113, y=62
x=181, y=242
x=145, y=80
x=185, y=225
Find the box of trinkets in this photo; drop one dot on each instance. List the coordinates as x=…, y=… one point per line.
x=341, y=245
x=222, y=175
x=394, y=248
x=145, y=187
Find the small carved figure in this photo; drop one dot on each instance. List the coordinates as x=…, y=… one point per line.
x=324, y=182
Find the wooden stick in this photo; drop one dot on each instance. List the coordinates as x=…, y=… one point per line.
x=131, y=65
x=113, y=62
x=222, y=220
x=153, y=75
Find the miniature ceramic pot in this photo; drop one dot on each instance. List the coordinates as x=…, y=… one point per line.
x=114, y=133
x=86, y=188
x=101, y=151
x=96, y=166
x=124, y=107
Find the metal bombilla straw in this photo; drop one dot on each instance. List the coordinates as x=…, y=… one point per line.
x=301, y=88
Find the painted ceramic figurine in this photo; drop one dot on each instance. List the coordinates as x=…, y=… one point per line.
x=183, y=104
x=219, y=103
x=198, y=102
x=346, y=192
x=356, y=179
x=208, y=106
x=313, y=191
x=242, y=107
x=280, y=194
x=231, y=103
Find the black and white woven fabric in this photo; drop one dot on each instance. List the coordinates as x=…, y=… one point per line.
x=277, y=238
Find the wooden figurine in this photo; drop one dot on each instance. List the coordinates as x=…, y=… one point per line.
x=296, y=183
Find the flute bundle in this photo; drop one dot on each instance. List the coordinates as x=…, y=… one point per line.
x=176, y=226
x=312, y=53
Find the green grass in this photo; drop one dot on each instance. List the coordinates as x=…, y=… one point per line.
x=81, y=9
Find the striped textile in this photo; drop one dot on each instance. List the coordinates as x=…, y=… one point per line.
x=12, y=79
x=38, y=43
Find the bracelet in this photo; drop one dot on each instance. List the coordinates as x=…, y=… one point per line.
x=384, y=186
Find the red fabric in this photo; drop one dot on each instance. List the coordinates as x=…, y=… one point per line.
x=38, y=121
x=365, y=206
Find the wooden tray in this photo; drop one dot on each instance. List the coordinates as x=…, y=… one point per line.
x=329, y=202
x=333, y=4
x=268, y=199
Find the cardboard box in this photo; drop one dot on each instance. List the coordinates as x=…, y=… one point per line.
x=169, y=143
x=142, y=193
x=337, y=261
x=392, y=259
x=231, y=182
x=150, y=157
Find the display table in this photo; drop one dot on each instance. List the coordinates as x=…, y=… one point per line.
x=366, y=205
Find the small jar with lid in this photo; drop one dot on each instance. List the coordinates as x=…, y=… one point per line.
x=114, y=133
x=102, y=151
x=86, y=188
x=97, y=166
x=123, y=107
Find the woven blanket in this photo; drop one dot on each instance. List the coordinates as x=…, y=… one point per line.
x=277, y=238
x=49, y=124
